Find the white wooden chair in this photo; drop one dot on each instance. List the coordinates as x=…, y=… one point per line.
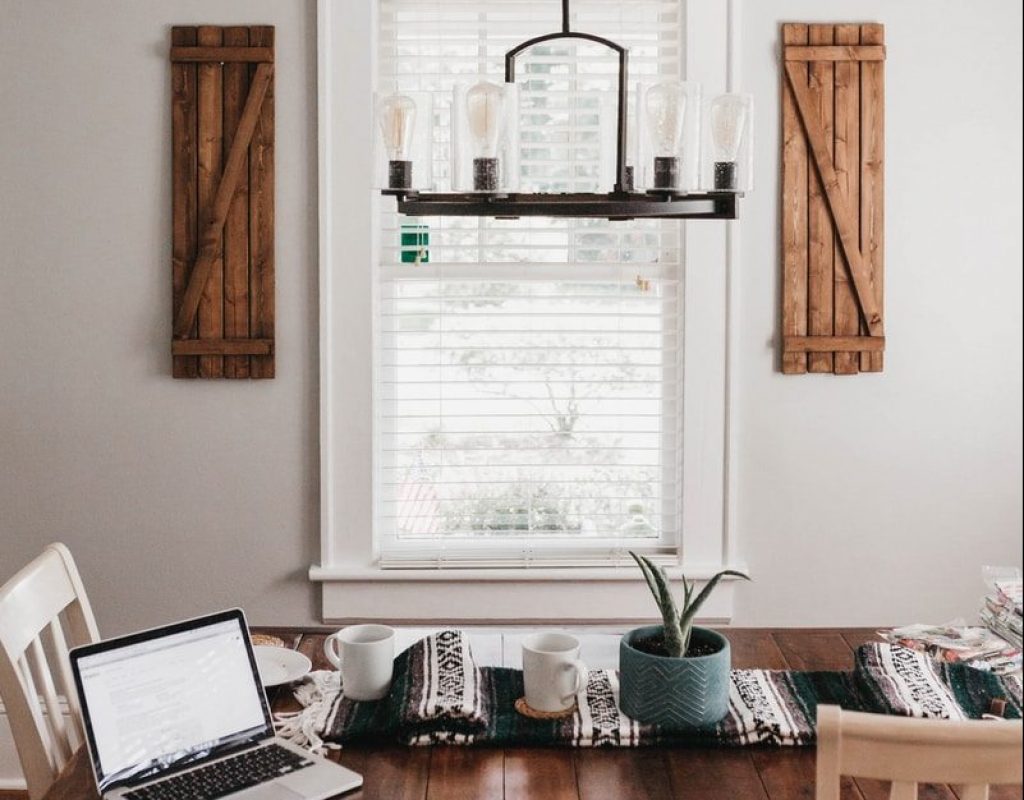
x=908, y=751
x=36, y=606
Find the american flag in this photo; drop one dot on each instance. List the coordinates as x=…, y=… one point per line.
x=418, y=505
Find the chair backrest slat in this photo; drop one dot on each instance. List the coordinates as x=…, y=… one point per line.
x=31, y=692
x=62, y=665
x=54, y=716
x=906, y=751
x=901, y=790
x=32, y=606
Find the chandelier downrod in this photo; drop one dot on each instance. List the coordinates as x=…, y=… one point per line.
x=628, y=199
x=622, y=183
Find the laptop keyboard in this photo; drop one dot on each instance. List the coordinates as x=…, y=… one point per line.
x=233, y=774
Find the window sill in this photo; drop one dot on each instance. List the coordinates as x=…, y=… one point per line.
x=602, y=595
x=628, y=572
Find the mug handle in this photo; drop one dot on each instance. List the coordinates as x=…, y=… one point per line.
x=333, y=653
x=582, y=674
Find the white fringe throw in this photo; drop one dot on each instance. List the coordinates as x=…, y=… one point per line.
x=318, y=694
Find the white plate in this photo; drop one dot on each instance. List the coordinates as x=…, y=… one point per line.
x=279, y=665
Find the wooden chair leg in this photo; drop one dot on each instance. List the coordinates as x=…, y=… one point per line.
x=827, y=770
x=903, y=791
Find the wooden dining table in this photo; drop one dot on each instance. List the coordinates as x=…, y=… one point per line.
x=550, y=773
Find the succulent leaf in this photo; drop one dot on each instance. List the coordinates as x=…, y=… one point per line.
x=648, y=574
x=693, y=607
x=677, y=625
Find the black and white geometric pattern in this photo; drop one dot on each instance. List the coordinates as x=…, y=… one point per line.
x=440, y=696
x=442, y=689
x=908, y=681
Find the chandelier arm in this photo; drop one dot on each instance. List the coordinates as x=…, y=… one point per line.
x=622, y=203
x=620, y=126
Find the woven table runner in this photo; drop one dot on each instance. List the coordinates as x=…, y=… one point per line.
x=440, y=696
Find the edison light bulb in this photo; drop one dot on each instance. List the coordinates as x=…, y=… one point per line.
x=666, y=112
x=397, y=117
x=485, y=105
x=729, y=115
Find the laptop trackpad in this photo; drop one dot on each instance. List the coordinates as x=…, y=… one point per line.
x=271, y=791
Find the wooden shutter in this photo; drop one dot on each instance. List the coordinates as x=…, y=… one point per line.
x=832, y=198
x=222, y=111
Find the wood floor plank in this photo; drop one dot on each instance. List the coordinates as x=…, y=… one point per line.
x=623, y=774
x=855, y=637
x=389, y=773
x=879, y=790
x=925, y=791
x=701, y=774
x=754, y=648
x=814, y=649
x=466, y=773
x=312, y=647
x=788, y=774
x=1005, y=793
x=532, y=772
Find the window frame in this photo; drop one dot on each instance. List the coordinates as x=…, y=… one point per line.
x=348, y=221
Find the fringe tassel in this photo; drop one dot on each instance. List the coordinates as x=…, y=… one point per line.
x=318, y=695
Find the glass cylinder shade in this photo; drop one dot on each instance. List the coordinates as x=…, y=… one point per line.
x=728, y=144
x=485, y=137
x=405, y=124
x=668, y=120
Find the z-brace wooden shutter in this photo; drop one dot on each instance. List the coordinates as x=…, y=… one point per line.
x=222, y=109
x=832, y=192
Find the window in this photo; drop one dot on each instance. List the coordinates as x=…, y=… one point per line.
x=528, y=373
x=353, y=291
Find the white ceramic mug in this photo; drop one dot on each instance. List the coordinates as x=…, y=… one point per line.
x=365, y=654
x=552, y=671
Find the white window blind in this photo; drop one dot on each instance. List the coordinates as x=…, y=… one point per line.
x=528, y=371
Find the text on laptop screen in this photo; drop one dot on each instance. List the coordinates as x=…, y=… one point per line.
x=170, y=698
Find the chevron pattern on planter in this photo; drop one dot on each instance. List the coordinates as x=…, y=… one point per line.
x=673, y=692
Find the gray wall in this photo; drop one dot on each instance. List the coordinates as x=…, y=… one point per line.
x=876, y=499
x=175, y=496
x=867, y=500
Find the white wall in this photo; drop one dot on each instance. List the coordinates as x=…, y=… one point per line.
x=868, y=500
x=877, y=498
x=176, y=496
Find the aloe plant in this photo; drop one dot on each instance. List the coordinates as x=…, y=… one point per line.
x=678, y=624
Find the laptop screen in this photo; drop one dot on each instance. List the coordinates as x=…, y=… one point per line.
x=169, y=697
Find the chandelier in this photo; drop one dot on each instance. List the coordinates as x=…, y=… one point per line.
x=661, y=177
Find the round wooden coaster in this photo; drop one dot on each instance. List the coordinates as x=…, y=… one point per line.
x=265, y=640
x=532, y=713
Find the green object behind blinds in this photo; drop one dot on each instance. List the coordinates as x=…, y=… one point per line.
x=415, y=241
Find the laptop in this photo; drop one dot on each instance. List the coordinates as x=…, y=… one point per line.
x=179, y=712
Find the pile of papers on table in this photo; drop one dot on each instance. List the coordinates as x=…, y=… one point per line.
x=975, y=646
x=1001, y=611
x=995, y=648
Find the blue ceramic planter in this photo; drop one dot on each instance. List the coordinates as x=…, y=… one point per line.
x=679, y=693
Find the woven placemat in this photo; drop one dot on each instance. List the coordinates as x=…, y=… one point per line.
x=523, y=708
x=265, y=640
